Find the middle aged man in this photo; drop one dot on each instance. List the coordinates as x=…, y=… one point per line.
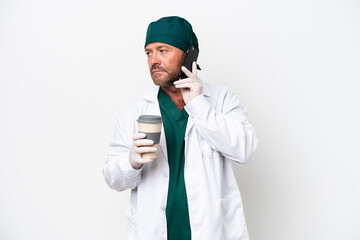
x=189, y=191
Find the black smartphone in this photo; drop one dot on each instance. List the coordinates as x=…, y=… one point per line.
x=191, y=56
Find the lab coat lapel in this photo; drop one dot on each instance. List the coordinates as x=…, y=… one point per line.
x=189, y=125
x=162, y=144
x=207, y=94
x=151, y=97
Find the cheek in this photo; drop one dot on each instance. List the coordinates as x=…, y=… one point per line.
x=180, y=60
x=178, y=66
x=176, y=62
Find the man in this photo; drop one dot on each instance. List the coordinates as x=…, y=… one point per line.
x=189, y=191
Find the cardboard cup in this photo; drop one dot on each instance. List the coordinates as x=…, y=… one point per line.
x=151, y=126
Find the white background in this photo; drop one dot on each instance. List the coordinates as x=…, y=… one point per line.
x=67, y=67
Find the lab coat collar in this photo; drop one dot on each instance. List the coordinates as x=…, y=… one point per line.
x=152, y=93
x=205, y=88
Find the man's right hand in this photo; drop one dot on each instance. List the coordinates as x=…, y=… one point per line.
x=139, y=146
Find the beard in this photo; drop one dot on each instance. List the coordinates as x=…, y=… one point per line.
x=166, y=78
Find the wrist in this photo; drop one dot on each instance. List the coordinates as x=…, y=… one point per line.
x=135, y=166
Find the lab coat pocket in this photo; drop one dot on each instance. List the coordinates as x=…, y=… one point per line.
x=234, y=226
x=132, y=235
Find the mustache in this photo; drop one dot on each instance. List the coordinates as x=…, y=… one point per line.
x=157, y=67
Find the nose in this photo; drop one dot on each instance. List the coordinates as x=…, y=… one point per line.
x=154, y=59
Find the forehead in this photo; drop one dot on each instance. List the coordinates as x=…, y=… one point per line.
x=156, y=45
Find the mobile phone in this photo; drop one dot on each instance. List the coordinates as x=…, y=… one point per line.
x=191, y=56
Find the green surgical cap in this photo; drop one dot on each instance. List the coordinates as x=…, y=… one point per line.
x=175, y=31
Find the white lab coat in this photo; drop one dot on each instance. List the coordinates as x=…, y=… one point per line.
x=218, y=132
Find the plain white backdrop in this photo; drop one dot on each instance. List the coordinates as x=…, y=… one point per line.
x=68, y=67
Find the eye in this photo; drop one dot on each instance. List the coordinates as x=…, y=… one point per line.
x=163, y=50
x=148, y=53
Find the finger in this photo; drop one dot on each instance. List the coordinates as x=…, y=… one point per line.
x=146, y=160
x=145, y=150
x=185, y=80
x=185, y=85
x=143, y=142
x=194, y=69
x=139, y=136
x=187, y=72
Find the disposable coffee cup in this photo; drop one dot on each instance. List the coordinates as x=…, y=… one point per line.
x=151, y=126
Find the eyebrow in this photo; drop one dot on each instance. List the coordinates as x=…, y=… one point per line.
x=158, y=47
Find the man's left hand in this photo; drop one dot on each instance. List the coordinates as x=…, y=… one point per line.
x=191, y=86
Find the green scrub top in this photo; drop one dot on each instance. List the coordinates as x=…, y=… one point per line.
x=177, y=212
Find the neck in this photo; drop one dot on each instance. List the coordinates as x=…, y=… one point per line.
x=175, y=95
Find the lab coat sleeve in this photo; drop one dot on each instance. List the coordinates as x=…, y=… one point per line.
x=118, y=172
x=225, y=128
